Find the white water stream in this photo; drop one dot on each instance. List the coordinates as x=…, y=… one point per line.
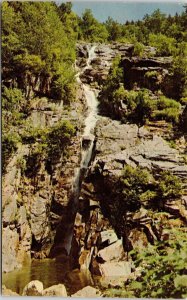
x=88, y=135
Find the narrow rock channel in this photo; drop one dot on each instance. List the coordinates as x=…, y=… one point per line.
x=65, y=240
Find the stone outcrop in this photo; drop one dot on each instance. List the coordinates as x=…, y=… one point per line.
x=87, y=292
x=58, y=290
x=113, y=252
x=32, y=85
x=105, y=53
x=33, y=288
x=120, y=144
x=99, y=246
x=16, y=233
x=151, y=73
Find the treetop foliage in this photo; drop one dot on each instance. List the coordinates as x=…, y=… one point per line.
x=36, y=40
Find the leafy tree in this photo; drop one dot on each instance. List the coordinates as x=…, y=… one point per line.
x=114, y=29
x=69, y=19
x=179, y=70
x=37, y=43
x=165, y=45
x=155, y=21
x=91, y=29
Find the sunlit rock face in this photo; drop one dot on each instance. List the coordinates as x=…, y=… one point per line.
x=118, y=145
x=49, y=222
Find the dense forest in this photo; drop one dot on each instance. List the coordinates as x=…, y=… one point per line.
x=39, y=52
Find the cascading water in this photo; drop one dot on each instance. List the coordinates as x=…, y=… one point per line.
x=86, y=154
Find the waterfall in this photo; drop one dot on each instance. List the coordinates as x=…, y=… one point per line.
x=86, y=152
x=90, y=121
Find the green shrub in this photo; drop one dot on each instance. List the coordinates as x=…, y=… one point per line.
x=31, y=134
x=163, y=272
x=12, y=99
x=164, y=45
x=127, y=97
x=145, y=107
x=59, y=137
x=138, y=187
x=138, y=49
x=21, y=164
x=150, y=74
x=169, y=186
x=161, y=268
x=169, y=114
x=136, y=184
x=164, y=102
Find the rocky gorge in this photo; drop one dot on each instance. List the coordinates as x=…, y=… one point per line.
x=66, y=211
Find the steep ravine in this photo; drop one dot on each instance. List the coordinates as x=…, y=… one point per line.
x=85, y=237
x=54, y=215
x=63, y=239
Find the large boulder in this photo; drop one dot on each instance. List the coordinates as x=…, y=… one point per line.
x=115, y=269
x=87, y=292
x=113, y=252
x=108, y=236
x=58, y=290
x=33, y=288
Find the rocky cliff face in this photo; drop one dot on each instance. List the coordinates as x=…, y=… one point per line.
x=97, y=239
x=34, y=209
x=33, y=205
x=116, y=146
x=31, y=85
x=146, y=72
x=100, y=66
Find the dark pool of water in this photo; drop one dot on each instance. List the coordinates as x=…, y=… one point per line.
x=50, y=272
